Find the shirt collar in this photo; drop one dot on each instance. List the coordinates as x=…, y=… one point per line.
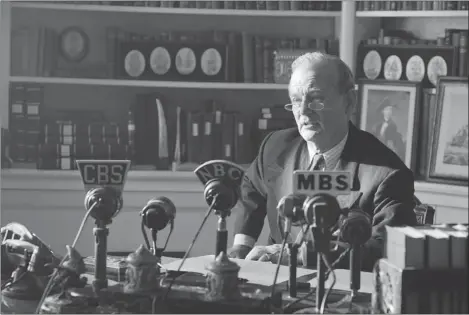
x=331, y=156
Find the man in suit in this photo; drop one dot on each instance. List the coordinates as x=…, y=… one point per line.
x=323, y=97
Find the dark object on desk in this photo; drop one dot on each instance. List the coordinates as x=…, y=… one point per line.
x=142, y=272
x=425, y=214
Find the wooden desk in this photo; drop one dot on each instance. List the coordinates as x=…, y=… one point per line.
x=261, y=273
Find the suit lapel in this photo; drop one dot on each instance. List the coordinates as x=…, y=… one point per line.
x=348, y=163
x=281, y=172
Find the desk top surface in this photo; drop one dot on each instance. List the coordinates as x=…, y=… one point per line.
x=262, y=273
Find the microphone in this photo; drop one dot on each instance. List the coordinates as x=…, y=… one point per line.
x=156, y=215
x=290, y=207
x=222, y=180
x=222, y=197
x=222, y=193
x=103, y=204
x=321, y=212
x=355, y=229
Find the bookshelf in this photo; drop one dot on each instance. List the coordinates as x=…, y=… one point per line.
x=150, y=84
x=412, y=14
x=26, y=190
x=174, y=11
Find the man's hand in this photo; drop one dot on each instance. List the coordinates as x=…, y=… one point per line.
x=269, y=253
x=239, y=251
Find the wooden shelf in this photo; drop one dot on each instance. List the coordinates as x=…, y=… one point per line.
x=151, y=84
x=184, y=176
x=175, y=11
x=406, y=14
x=228, y=12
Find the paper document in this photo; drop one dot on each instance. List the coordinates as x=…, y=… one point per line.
x=257, y=272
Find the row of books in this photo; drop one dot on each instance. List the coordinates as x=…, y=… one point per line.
x=411, y=5
x=35, y=52
x=230, y=5
x=196, y=136
x=442, y=247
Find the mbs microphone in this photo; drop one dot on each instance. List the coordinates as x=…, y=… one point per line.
x=314, y=204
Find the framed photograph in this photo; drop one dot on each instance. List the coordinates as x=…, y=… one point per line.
x=389, y=111
x=449, y=158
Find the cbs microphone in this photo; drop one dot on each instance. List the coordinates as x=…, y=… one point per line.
x=104, y=203
x=355, y=229
x=104, y=182
x=156, y=215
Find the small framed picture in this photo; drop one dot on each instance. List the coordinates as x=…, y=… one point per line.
x=389, y=111
x=449, y=158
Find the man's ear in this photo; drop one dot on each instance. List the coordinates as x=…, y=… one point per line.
x=351, y=102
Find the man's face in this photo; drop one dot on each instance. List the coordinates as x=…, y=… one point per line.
x=387, y=113
x=317, y=86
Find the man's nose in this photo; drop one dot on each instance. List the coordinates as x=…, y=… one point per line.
x=304, y=109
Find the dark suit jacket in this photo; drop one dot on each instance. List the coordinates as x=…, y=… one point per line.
x=382, y=186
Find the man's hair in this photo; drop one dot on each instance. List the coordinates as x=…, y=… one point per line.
x=345, y=81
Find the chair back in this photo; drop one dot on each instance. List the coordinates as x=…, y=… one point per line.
x=425, y=213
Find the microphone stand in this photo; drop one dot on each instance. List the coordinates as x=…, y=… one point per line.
x=222, y=234
x=222, y=195
x=100, y=251
x=322, y=240
x=105, y=203
x=355, y=269
x=292, y=285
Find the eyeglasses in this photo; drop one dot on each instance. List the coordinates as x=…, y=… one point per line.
x=316, y=105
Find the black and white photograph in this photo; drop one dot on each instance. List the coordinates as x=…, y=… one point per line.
x=388, y=111
x=450, y=158
x=234, y=157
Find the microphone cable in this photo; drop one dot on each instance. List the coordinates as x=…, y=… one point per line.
x=147, y=242
x=50, y=283
x=329, y=290
x=284, y=243
x=310, y=293
x=145, y=237
x=207, y=214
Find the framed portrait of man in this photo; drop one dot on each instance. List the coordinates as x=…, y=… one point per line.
x=449, y=154
x=389, y=111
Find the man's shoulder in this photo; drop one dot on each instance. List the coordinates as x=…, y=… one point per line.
x=377, y=155
x=279, y=139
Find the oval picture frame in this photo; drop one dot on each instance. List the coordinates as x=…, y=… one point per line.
x=73, y=44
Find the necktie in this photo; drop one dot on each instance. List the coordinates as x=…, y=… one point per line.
x=318, y=163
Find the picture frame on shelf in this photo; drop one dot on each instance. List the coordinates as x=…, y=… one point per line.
x=449, y=147
x=389, y=110
x=74, y=44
